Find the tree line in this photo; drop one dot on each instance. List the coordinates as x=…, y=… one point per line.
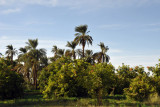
x=74, y=72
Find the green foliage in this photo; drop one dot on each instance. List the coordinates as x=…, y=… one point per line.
x=66, y=80
x=155, y=79
x=11, y=83
x=140, y=87
x=100, y=78
x=123, y=78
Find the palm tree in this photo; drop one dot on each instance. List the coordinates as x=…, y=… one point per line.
x=54, y=50
x=0, y=54
x=79, y=53
x=10, y=52
x=35, y=55
x=24, y=68
x=22, y=52
x=60, y=52
x=68, y=53
x=81, y=37
x=102, y=56
x=88, y=55
x=72, y=45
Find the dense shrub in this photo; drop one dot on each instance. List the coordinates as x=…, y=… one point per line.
x=67, y=80
x=11, y=83
x=76, y=79
x=123, y=78
x=140, y=88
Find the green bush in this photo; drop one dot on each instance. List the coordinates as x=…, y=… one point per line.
x=11, y=83
x=65, y=81
x=140, y=88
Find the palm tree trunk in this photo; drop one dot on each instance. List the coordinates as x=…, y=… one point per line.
x=74, y=56
x=36, y=77
x=83, y=45
x=12, y=58
x=103, y=58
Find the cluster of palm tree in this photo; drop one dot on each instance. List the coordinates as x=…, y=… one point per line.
x=31, y=60
x=82, y=38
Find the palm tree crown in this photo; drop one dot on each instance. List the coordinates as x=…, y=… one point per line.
x=55, y=50
x=10, y=52
x=72, y=45
x=81, y=37
x=103, y=57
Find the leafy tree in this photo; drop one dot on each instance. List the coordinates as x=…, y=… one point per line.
x=99, y=80
x=82, y=38
x=155, y=78
x=66, y=79
x=125, y=74
x=11, y=83
x=140, y=88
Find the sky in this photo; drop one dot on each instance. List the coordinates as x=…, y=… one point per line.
x=130, y=28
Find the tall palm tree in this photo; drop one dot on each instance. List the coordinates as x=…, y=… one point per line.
x=35, y=55
x=72, y=45
x=104, y=49
x=102, y=56
x=10, y=52
x=24, y=68
x=82, y=37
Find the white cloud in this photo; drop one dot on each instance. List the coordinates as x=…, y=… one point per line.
x=8, y=11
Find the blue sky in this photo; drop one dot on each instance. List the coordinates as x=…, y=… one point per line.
x=130, y=28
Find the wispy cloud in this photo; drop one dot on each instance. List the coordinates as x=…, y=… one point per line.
x=154, y=24
x=38, y=23
x=80, y=3
x=8, y=11
x=110, y=26
x=153, y=27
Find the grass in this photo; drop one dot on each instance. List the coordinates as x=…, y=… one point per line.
x=35, y=99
